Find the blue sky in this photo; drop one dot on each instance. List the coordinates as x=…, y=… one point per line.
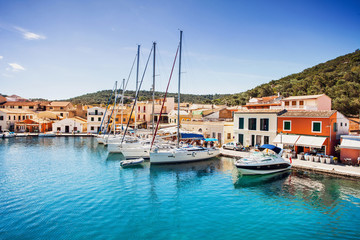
x=61, y=49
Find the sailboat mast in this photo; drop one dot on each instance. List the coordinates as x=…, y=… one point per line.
x=153, y=90
x=178, y=118
x=122, y=104
x=137, y=83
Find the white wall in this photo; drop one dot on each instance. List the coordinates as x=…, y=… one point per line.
x=67, y=122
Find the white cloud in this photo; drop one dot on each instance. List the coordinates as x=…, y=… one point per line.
x=14, y=67
x=29, y=35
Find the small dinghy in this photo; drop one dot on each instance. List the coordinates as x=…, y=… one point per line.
x=132, y=162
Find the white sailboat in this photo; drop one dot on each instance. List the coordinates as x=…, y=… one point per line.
x=181, y=154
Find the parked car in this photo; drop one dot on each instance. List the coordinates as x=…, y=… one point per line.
x=232, y=146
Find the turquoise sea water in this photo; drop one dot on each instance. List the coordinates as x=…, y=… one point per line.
x=69, y=188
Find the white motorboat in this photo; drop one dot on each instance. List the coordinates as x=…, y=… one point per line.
x=265, y=162
x=130, y=163
x=8, y=134
x=48, y=134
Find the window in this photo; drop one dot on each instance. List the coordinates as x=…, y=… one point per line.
x=92, y=128
x=264, y=124
x=61, y=108
x=1, y=118
x=287, y=103
x=144, y=108
x=266, y=139
x=229, y=136
x=293, y=103
x=14, y=117
x=241, y=123
x=335, y=127
x=62, y=114
x=316, y=127
x=287, y=125
x=75, y=129
x=214, y=135
x=58, y=129
x=124, y=119
x=92, y=119
x=116, y=119
x=19, y=117
x=20, y=107
x=252, y=123
x=9, y=118
x=23, y=118
x=301, y=103
x=345, y=124
x=340, y=124
x=31, y=107
x=99, y=119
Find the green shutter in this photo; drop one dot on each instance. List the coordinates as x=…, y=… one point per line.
x=316, y=127
x=241, y=123
x=287, y=125
x=335, y=127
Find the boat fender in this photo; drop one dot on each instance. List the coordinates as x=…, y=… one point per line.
x=290, y=160
x=193, y=154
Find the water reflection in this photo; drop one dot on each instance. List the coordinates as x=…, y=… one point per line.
x=245, y=181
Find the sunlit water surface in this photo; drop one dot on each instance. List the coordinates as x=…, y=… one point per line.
x=70, y=188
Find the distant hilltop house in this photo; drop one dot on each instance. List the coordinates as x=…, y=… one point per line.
x=264, y=102
x=16, y=98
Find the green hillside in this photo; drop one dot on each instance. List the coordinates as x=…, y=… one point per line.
x=338, y=78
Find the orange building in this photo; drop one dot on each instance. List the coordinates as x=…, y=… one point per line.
x=312, y=130
x=350, y=149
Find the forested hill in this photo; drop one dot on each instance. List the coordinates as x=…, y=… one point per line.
x=102, y=97
x=338, y=78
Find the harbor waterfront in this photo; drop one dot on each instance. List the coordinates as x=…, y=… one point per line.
x=71, y=188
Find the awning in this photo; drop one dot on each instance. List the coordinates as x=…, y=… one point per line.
x=191, y=136
x=271, y=147
x=286, y=139
x=308, y=141
x=210, y=140
x=350, y=144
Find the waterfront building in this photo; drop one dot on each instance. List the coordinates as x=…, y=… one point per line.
x=350, y=149
x=8, y=117
x=95, y=116
x=307, y=131
x=33, y=125
x=221, y=130
x=70, y=125
x=256, y=126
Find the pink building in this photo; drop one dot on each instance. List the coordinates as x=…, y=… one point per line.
x=307, y=102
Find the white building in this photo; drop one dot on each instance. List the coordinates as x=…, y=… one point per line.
x=95, y=116
x=70, y=125
x=221, y=130
x=256, y=127
x=8, y=117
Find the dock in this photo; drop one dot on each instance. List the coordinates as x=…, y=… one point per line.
x=333, y=169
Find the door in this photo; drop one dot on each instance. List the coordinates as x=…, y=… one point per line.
x=252, y=140
x=258, y=140
x=67, y=129
x=219, y=138
x=241, y=139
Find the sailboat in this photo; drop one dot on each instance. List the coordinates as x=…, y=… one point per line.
x=181, y=154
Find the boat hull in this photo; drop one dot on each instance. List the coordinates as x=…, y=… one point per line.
x=182, y=156
x=262, y=169
x=140, y=152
